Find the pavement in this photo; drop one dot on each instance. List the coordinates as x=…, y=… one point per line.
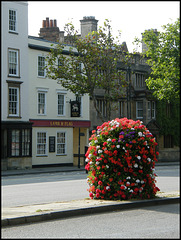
x=59, y=210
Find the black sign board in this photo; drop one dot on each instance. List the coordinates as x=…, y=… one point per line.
x=51, y=144
x=75, y=109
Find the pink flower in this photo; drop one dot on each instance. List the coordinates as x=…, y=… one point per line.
x=100, y=183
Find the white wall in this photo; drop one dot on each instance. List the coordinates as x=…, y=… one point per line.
x=17, y=41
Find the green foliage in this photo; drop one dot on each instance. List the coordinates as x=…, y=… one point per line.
x=164, y=58
x=168, y=118
x=91, y=64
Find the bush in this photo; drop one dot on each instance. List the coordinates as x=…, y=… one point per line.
x=120, y=161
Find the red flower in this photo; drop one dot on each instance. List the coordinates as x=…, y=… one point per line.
x=100, y=183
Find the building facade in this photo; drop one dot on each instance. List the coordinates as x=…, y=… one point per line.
x=16, y=129
x=59, y=133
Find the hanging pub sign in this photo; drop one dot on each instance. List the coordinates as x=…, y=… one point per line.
x=75, y=109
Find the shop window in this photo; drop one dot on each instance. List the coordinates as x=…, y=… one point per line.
x=41, y=143
x=20, y=143
x=61, y=143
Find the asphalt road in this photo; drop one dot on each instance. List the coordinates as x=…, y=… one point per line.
x=160, y=221
x=56, y=187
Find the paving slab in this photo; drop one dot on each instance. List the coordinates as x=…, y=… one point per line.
x=49, y=211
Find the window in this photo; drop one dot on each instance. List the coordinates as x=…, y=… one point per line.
x=122, y=109
x=168, y=141
x=61, y=143
x=61, y=104
x=12, y=21
x=15, y=143
x=102, y=106
x=151, y=109
x=41, y=103
x=139, y=109
x=41, y=65
x=13, y=61
x=20, y=143
x=13, y=101
x=41, y=143
x=139, y=80
x=26, y=142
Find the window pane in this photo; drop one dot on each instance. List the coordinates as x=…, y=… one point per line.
x=25, y=142
x=12, y=20
x=139, y=109
x=41, y=65
x=13, y=62
x=60, y=104
x=41, y=103
x=15, y=143
x=13, y=101
x=61, y=143
x=41, y=143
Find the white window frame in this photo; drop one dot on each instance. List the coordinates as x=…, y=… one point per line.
x=43, y=71
x=16, y=62
x=45, y=144
x=65, y=144
x=45, y=103
x=139, y=109
x=15, y=21
x=16, y=102
x=61, y=92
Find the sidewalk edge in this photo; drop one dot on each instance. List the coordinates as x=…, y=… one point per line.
x=85, y=211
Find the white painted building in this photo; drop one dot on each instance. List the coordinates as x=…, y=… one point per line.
x=56, y=133
x=15, y=125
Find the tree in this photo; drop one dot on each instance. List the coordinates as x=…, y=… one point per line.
x=90, y=65
x=164, y=58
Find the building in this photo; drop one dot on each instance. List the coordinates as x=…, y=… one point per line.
x=16, y=129
x=59, y=134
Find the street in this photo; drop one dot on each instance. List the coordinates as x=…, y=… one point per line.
x=65, y=186
x=148, y=222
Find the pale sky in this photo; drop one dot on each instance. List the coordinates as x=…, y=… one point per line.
x=131, y=17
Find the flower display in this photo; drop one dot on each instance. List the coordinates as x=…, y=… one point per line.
x=121, y=160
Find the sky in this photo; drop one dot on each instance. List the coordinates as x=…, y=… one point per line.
x=131, y=17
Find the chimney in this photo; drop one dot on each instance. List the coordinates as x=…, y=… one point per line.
x=50, y=31
x=47, y=22
x=51, y=23
x=88, y=24
x=144, y=46
x=44, y=24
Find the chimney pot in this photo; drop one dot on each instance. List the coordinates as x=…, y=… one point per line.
x=47, y=22
x=51, y=23
x=55, y=22
x=43, y=23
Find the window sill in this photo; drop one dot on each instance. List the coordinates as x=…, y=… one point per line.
x=16, y=33
x=13, y=76
x=41, y=155
x=17, y=117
